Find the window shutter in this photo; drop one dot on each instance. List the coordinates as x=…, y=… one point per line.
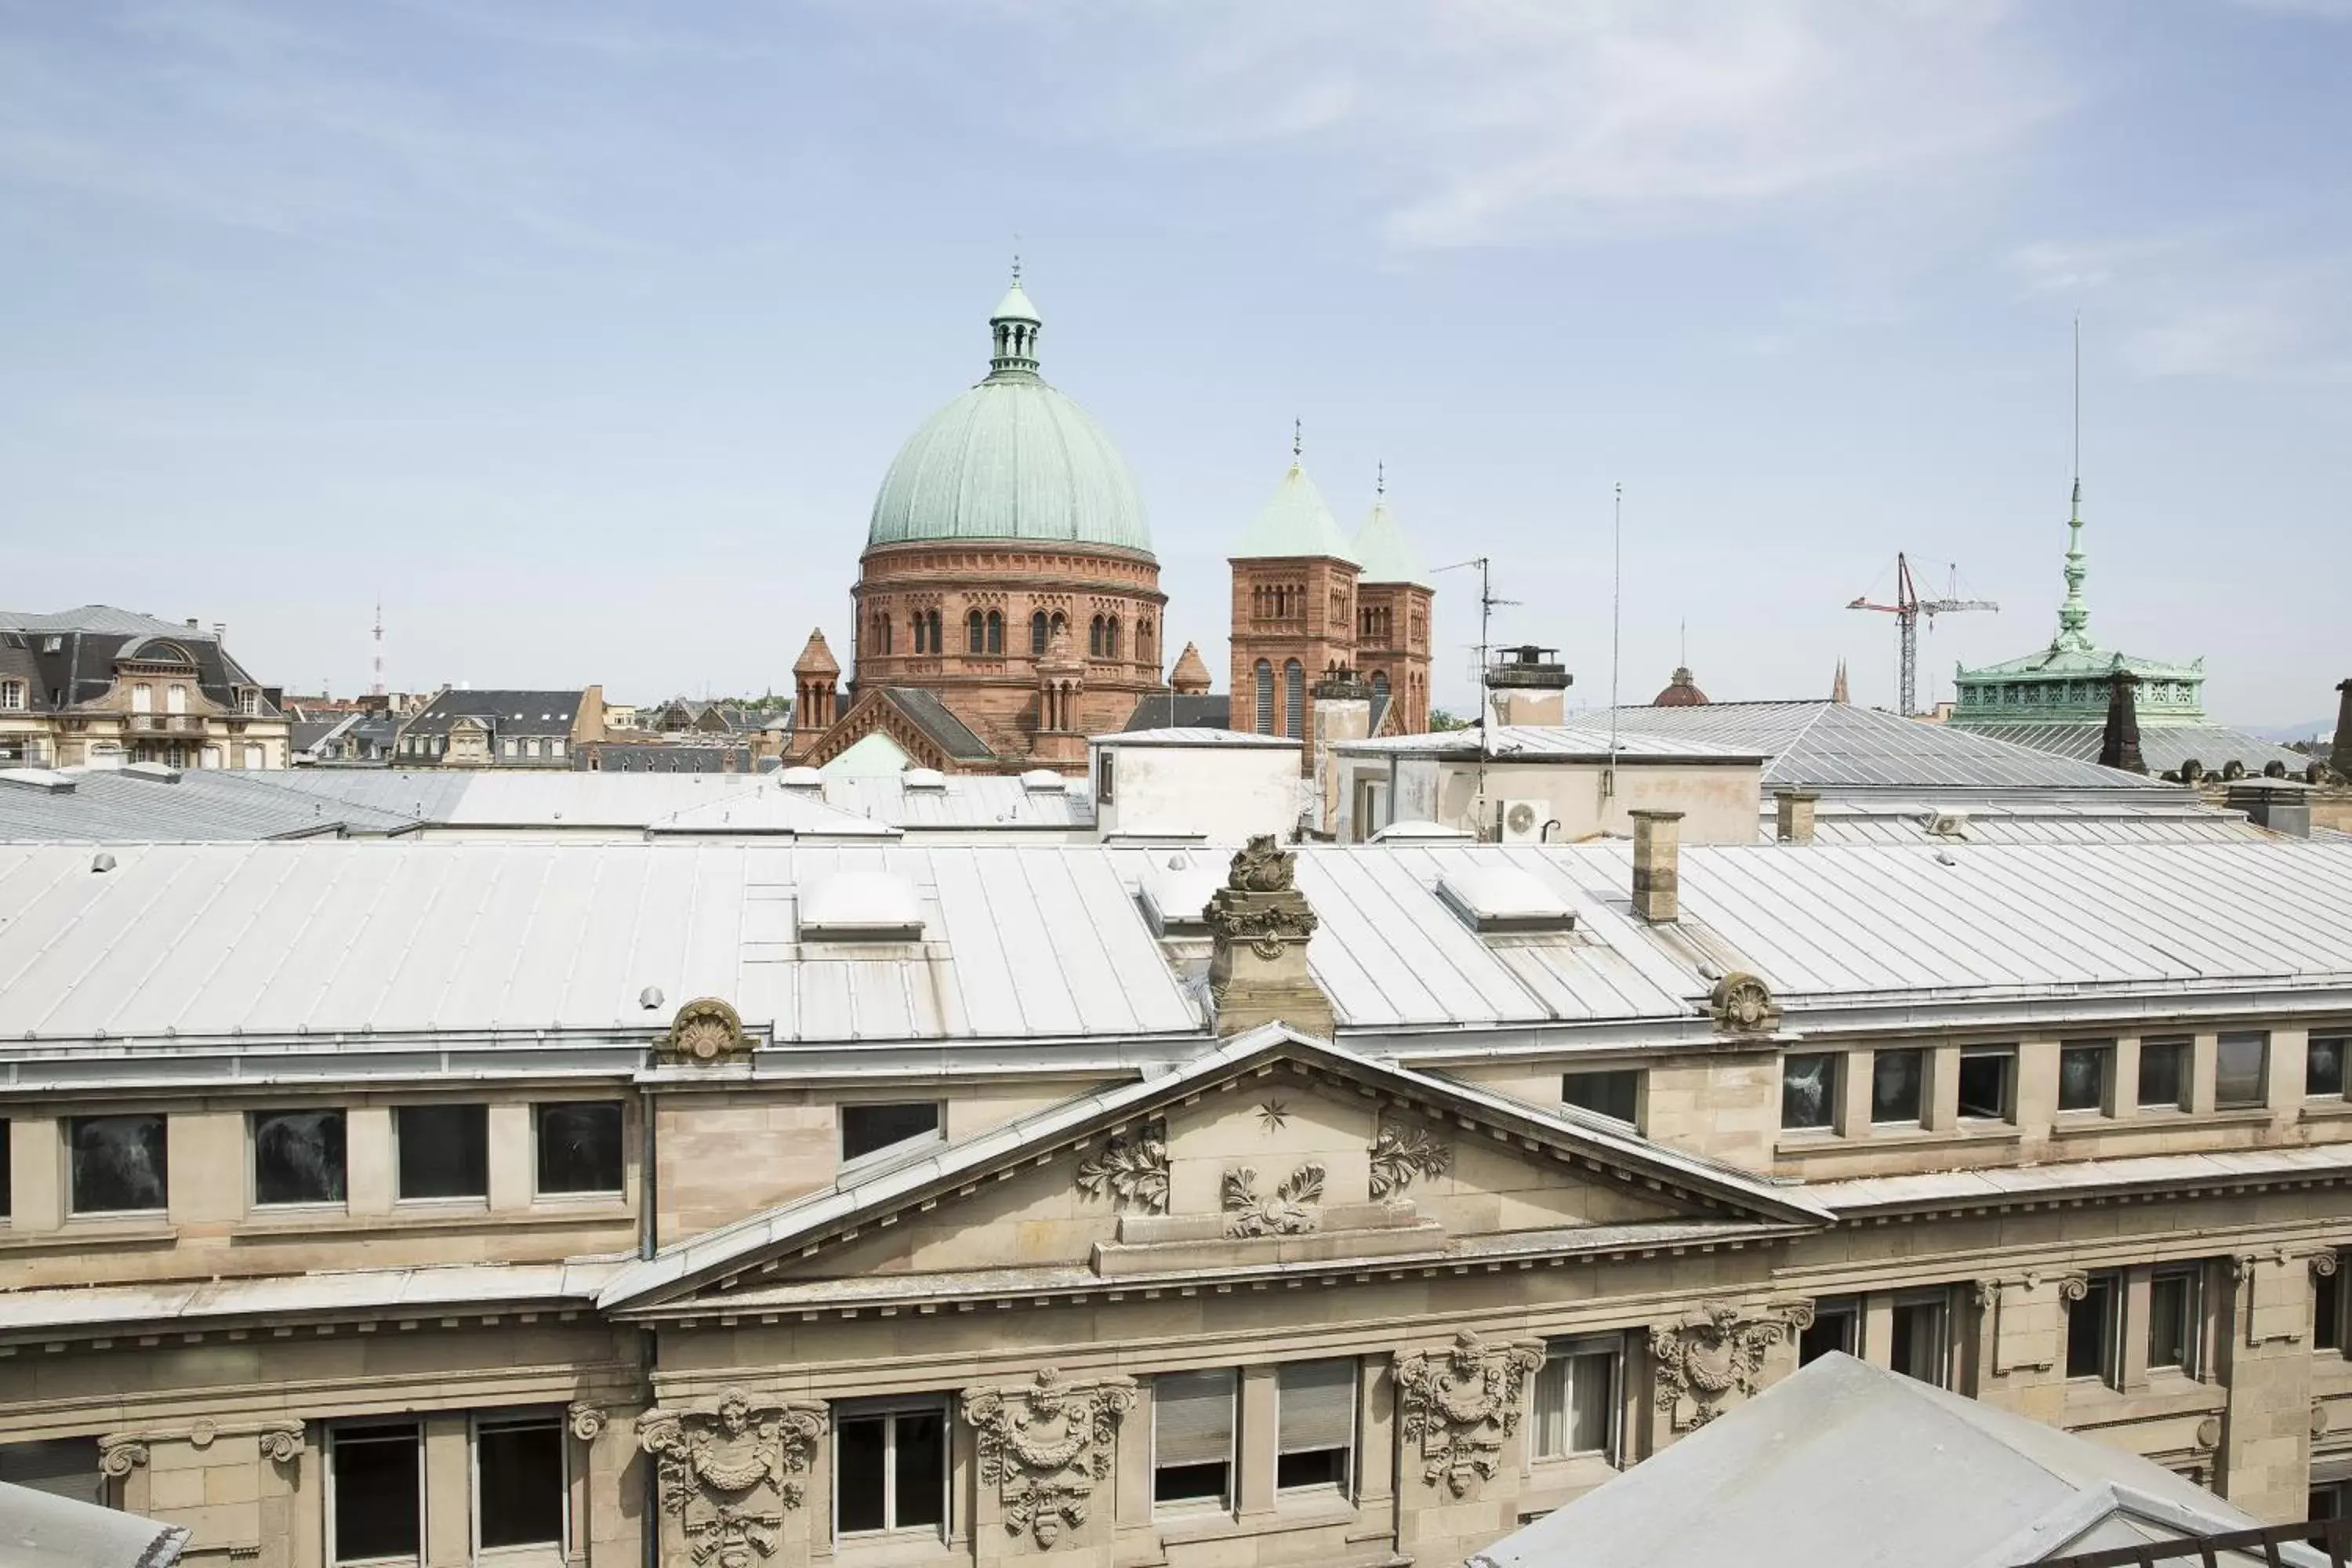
x=1192, y=1418
x=1316, y=1406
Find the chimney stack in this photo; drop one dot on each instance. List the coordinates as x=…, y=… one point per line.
x=1657, y=858
x=1527, y=686
x=1793, y=815
x=2339, y=755
x=2120, y=747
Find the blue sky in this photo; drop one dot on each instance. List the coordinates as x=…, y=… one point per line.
x=583, y=332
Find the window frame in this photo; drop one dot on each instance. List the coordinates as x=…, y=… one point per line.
x=2192, y=1277
x=1229, y=1499
x=2328, y=1308
x=511, y=1420
x=2342, y=1046
x=163, y=1208
x=1940, y=1300
x=338, y=1433
x=1918, y=1058
x=1640, y=1084
x=1834, y=1072
x=938, y=1133
x=1571, y=1348
x=2102, y=1053
x=253, y=1199
x=2007, y=1057
x=2261, y=1069
x=2182, y=1050
x=2111, y=1329
x=468, y=1199
x=1349, y=1467
x=889, y=1409
x=540, y=1189
x=1845, y=1309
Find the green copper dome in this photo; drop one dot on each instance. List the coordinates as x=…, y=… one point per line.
x=1011, y=460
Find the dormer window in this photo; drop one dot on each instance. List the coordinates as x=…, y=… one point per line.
x=248, y=701
x=12, y=696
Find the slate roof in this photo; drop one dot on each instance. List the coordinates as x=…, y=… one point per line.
x=1208, y=711
x=662, y=757
x=508, y=712
x=924, y=709
x=79, y=667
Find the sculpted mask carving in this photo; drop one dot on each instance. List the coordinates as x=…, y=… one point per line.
x=1708, y=1355
x=1400, y=1153
x=726, y=1472
x=1131, y=1170
x=704, y=1032
x=1459, y=1404
x=1044, y=1444
x=1287, y=1213
x=1743, y=1004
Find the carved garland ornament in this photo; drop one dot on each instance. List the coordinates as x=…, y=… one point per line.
x=726, y=1472
x=1399, y=1154
x=1131, y=1170
x=704, y=1032
x=1044, y=1444
x=1711, y=1353
x=1287, y=1213
x=1459, y=1403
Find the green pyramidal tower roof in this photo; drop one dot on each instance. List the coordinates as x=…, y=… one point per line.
x=1011, y=460
x=1382, y=550
x=1296, y=522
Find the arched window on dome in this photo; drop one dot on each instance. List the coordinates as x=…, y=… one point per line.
x=1094, y=638
x=1294, y=700
x=975, y=633
x=1037, y=634
x=995, y=631
x=1110, y=637
x=1264, y=715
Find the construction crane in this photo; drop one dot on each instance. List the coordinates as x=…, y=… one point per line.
x=1907, y=609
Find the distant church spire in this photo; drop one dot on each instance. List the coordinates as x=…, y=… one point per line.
x=2075, y=615
x=1837, y=688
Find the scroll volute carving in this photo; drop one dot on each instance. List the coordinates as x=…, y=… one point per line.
x=1044, y=1444
x=1461, y=1402
x=727, y=1471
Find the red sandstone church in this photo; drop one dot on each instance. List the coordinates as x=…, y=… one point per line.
x=1008, y=603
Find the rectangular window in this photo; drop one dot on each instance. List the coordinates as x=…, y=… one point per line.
x=6, y=1197
x=2323, y=1065
x=2091, y=1329
x=298, y=1157
x=2239, y=1064
x=579, y=1146
x=2163, y=1075
x=1807, y=1090
x=1616, y=1094
x=1315, y=1421
x=555, y=748
x=1103, y=777
x=1192, y=1437
x=442, y=1150
x=870, y=1129
x=520, y=1495
x=1987, y=1079
x=120, y=1164
x=891, y=1469
x=11, y=695
x=2083, y=1075
x=1576, y=1398
x=2172, y=1320
x=2328, y=1308
x=1918, y=1341
x=378, y=1507
x=1836, y=1326
x=1894, y=1080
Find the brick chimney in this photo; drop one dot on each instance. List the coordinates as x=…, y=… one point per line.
x=1527, y=686
x=2339, y=755
x=2120, y=747
x=1793, y=815
x=1258, y=926
x=1657, y=858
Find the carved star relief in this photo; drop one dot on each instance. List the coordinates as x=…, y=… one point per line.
x=1272, y=1114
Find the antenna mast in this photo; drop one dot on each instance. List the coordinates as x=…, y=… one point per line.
x=377, y=690
x=1616, y=622
x=1487, y=603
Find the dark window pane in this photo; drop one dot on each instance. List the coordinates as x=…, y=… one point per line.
x=2170, y=1300
x=445, y=1150
x=2238, y=1061
x=1314, y=1468
x=2323, y=1067
x=1895, y=1086
x=1186, y=1483
x=520, y=1470
x=6, y=1207
x=119, y=1163
x=858, y=1452
x=298, y=1157
x=1984, y=1084
x=865, y=1129
x=2328, y=1311
x=1916, y=1341
x=2082, y=1078
x=2163, y=1073
x=377, y=1512
x=2087, y=1325
x=1808, y=1089
x=921, y=1467
x=1833, y=1330
x=1613, y=1094
x=580, y=1147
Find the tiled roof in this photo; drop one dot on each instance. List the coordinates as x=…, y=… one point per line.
x=510, y=713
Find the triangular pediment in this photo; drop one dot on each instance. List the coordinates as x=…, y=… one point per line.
x=1270, y=1151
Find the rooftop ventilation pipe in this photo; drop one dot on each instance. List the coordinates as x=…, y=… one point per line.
x=1793, y=815
x=1657, y=858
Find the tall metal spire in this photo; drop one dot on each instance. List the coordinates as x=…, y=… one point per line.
x=2075, y=615
x=1297, y=439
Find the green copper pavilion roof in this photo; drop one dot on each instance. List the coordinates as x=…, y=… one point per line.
x=1011, y=460
x=1382, y=550
x=1296, y=522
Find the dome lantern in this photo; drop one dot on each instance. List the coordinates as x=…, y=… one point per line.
x=1015, y=325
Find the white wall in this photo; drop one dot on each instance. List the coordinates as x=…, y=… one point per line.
x=1718, y=803
x=1223, y=793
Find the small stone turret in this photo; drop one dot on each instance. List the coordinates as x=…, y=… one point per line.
x=1259, y=925
x=816, y=703
x=1190, y=675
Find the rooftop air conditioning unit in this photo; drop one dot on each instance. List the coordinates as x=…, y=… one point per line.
x=1522, y=821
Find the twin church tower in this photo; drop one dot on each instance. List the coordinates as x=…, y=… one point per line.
x=1008, y=603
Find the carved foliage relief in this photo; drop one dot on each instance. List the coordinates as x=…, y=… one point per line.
x=1290, y=1210
x=1044, y=1444
x=726, y=1472
x=1131, y=1170
x=1400, y=1153
x=1461, y=1402
x=1711, y=1354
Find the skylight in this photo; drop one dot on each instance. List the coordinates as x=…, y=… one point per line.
x=1503, y=899
x=1176, y=889
x=923, y=778
x=862, y=905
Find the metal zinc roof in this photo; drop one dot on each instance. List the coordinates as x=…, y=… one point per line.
x=965, y=800
x=1196, y=735
x=556, y=798
x=428, y=794
x=1835, y=745
x=110, y=806
x=280, y=940
x=2163, y=747
x=771, y=809
x=1521, y=742
x=2123, y=821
